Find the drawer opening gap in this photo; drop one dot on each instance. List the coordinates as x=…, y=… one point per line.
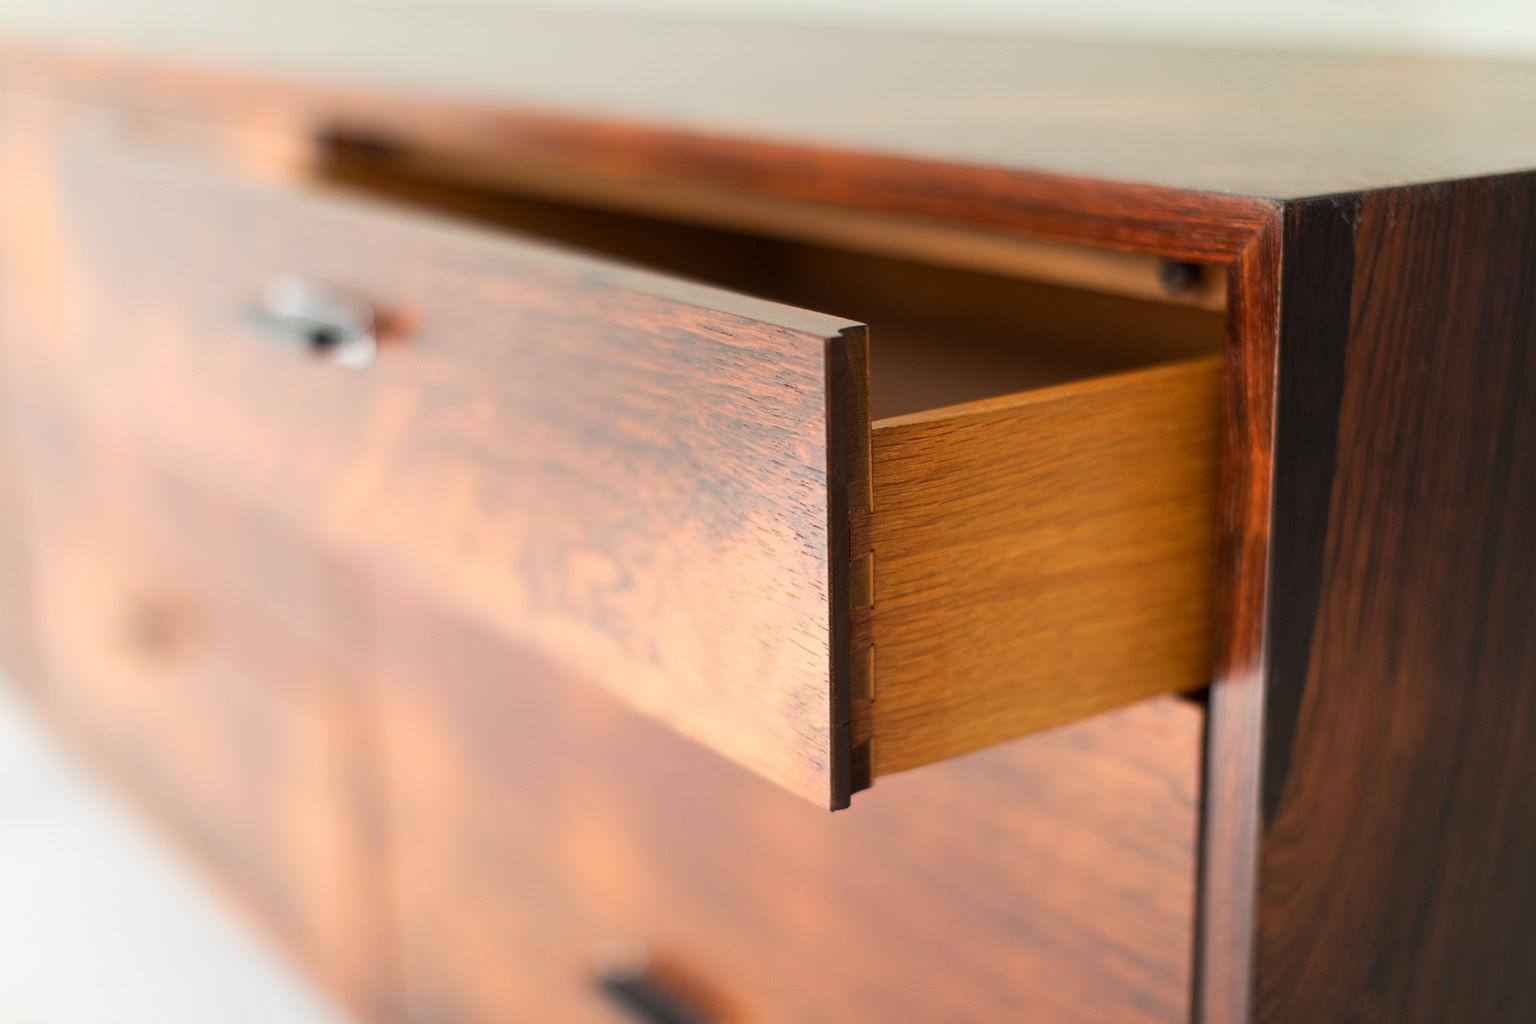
x=942, y=332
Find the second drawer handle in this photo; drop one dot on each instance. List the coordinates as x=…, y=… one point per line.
x=647, y=997
x=314, y=318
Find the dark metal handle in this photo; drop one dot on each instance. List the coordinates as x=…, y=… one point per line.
x=317, y=319
x=648, y=997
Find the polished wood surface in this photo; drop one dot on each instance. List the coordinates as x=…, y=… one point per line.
x=645, y=478
x=949, y=331
x=368, y=441
x=942, y=333
x=1388, y=741
x=486, y=184
x=209, y=690
x=1229, y=819
x=1036, y=559
x=1363, y=843
x=1124, y=215
x=543, y=832
x=1268, y=124
x=986, y=632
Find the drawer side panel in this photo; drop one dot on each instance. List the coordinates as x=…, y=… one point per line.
x=1039, y=558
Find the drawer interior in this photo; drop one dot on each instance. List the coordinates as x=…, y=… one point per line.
x=1033, y=542
x=1041, y=539
x=942, y=333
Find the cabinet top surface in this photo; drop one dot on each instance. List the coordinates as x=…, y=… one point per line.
x=1266, y=124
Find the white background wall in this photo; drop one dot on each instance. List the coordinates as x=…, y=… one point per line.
x=1488, y=27
x=1469, y=26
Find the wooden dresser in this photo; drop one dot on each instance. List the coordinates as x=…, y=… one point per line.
x=490, y=484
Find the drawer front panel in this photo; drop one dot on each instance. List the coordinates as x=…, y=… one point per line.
x=241, y=734
x=666, y=489
x=642, y=478
x=544, y=836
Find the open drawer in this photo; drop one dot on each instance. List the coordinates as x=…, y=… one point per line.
x=671, y=489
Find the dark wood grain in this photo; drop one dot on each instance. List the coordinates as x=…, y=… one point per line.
x=1367, y=852
x=644, y=478
x=188, y=646
x=944, y=333
x=1031, y=198
x=541, y=830
x=370, y=434
x=1021, y=577
x=1223, y=933
x=194, y=655
x=1390, y=739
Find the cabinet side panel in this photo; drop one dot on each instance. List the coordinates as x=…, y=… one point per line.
x=1396, y=744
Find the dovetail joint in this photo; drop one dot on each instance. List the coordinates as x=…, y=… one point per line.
x=861, y=603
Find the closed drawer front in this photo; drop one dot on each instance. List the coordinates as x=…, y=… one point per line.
x=239, y=733
x=674, y=491
x=552, y=848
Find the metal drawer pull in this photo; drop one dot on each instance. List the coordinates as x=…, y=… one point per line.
x=323, y=321
x=647, y=997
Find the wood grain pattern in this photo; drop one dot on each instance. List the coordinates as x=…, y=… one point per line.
x=541, y=829
x=933, y=243
x=1032, y=199
x=942, y=335
x=642, y=477
x=1363, y=843
x=1036, y=559
x=199, y=687
x=1223, y=932
x=1162, y=579
x=1394, y=756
